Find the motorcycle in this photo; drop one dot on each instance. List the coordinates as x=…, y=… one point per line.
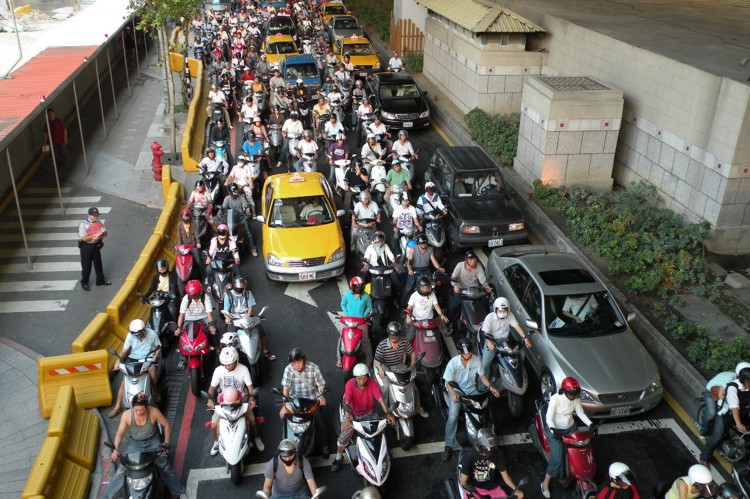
x=136, y=379
x=508, y=372
x=202, y=227
x=741, y=477
x=339, y=170
x=735, y=445
x=381, y=292
x=141, y=478
x=303, y=108
x=377, y=180
x=214, y=184
x=309, y=162
x=299, y=421
x=402, y=397
x=260, y=102
x=395, y=200
x=475, y=408
x=253, y=190
x=222, y=150
x=221, y=264
x=474, y=308
x=337, y=108
x=365, y=232
x=428, y=345
x=184, y=265
x=579, y=457
x=193, y=347
x=163, y=314
x=187, y=82
x=373, y=458
x=318, y=492
x=434, y=230
x=407, y=163
x=276, y=140
x=458, y=491
x=406, y=235
x=248, y=331
x=293, y=139
x=352, y=351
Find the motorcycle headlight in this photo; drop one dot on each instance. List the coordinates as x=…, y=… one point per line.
x=187, y=347
x=274, y=260
x=515, y=226
x=387, y=115
x=424, y=114
x=470, y=229
x=588, y=397
x=298, y=428
x=201, y=345
x=654, y=386
x=140, y=483
x=337, y=255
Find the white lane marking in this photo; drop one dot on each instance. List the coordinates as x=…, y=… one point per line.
x=40, y=224
x=212, y=474
x=24, y=286
x=58, y=211
x=44, y=236
x=20, y=268
x=46, y=190
x=65, y=199
x=301, y=291
x=33, y=306
x=58, y=251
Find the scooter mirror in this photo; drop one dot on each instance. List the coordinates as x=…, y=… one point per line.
x=262, y=494
x=112, y=352
x=262, y=310
x=260, y=218
x=276, y=391
x=319, y=491
x=205, y=395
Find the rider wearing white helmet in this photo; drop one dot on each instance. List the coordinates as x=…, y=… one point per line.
x=498, y=323
x=621, y=483
x=698, y=483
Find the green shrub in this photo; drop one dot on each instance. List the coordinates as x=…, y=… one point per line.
x=414, y=61
x=375, y=14
x=498, y=134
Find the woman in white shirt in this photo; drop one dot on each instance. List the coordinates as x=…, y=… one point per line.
x=559, y=419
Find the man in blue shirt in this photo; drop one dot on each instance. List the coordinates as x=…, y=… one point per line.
x=357, y=303
x=240, y=301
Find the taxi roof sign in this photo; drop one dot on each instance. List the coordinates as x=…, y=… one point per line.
x=296, y=178
x=354, y=36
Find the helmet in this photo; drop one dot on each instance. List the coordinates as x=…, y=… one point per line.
x=228, y=356
x=297, y=354
x=161, y=264
x=307, y=133
x=239, y=284
x=486, y=442
x=287, y=448
x=404, y=196
x=360, y=370
x=136, y=326
x=742, y=366
x=193, y=287
x=700, y=477
x=210, y=150
x=294, y=114
x=371, y=136
x=501, y=302
x=140, y=399
x=340, y=136
x=356, y=281
x=370, y=493
x=257, y=118
x=358, y=83
x=229, y=339
x=422, y=238
x=333, y=117
x=423, y=282
x=230, y=396
x=621, y=474
x=429, y=185
x=199, y=183
x=299, y=81
x=394, y=328
x=222, y=230
x=396, y=163
x=403, y=133
x=570, y=386
x=464, y=346
x=233, y=187
x=185, y=214
x=365, y=195
x=251, y=136
x=379, y=236
x=469, y=254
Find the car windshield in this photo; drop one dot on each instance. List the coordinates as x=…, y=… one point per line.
x=279, y=22
x=345, y=23
x=299, y=212
x=394, y=90
x=358, y=49
x=304, y=71
x=333, y=10
x=479, y=185
x=586, y=314
x=281, y=48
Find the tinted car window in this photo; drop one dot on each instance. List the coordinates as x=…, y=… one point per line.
x=518, y=278
x=532, y=302
x=560, y=277
x=585, y=314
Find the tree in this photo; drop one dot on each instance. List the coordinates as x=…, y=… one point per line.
x=154, y=15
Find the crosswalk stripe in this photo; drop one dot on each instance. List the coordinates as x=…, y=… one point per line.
x=23, y=286
x=48, y=236
x=46, y=190
x=9, y=307
x=65, y=199
x=21, y=252
x=57, y=211
x=40, y=224
x=20, y=268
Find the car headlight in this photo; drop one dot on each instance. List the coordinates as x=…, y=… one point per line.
x=337, y=255
x=139, y=483
x=515, y=226
x=470, y=229
x=587, y=396
x=424, y=114
x=387, y=115
x=654, y=386
x=274, y=260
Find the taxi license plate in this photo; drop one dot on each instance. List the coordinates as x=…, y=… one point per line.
x=362, y=73
x=408, y=124
x=306, y=276
x=494, y=243
x=620, y=411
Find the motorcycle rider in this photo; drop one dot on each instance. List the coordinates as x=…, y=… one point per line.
x=559, y=422
x=377, y=127
x=430, y=200
x=402, y=147
x=332, y=129
x=621, y=483
x=252, y=147
x=395, y=63
x=282, y=100
x=365, y=208
x=306, y=146
x=291, y=126
x=463, y=369
x=228, y=379
x=394, y=351
x=420, y=305
x=498, y=323
x=466, y=274
x=213, y=164
x=241, y=204
x=371, y=150
x=418, y=261
x=222, y=243
x=335, y=96
x=483, y=466
x=187, y=234
x=357, y=303
x=356, y=178
x=379, y=254
x=196, y=306
x=276, y=82
x=240, y=300
x=165, y=281
x=140, y=423
x=360, y=394
x=737, y=400
x=293, y=479
x=302, y=378
x=201, y=197
x=320, y=109
x=217, y=98
x=698, y=483
x=219, y=134
x=404, y=217
x=142, y=343
x=397, y=176
x=337, y=150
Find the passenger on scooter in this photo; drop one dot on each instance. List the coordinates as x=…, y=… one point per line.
x=293, y=479
x=357, y=303
x=482, y=468
x=498, y=324
x=141, y=425
x=559, y=422
x=229, y=384
x=737, y=400
x=402, y=147
x=165, y=281
x=305, y=147
x=621, y=483
x=364, y=209
x=243, y=206
x=397, y=176
x=141, y=344
x=187, y=234
x=404, y=217
x=418, y=260
x=393, y=351
x=303, y=379
x=239, y=300
x=201, y=197
x=430, y=200
x=196, y=306
x=222, y=243
x=420, y=305
x=360, y=394
x=466, y=274
x=291, y=126
x=698, y=483
x=463, y=369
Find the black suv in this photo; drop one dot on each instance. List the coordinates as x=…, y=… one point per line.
x=481, y=211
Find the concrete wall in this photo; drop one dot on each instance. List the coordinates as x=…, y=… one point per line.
x=409, y=9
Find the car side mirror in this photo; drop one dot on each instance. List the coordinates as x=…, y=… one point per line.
x=631, y=317
x=424, y=93
x=261, y=219
x=532, y=325
x=340, y=213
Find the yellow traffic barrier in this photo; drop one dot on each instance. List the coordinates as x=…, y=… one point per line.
x=55, y=477
x=195, y=68
x=126, y=306
x=194, y=133
x=78, y=428
x=87, y=372
x=98, y=335
x=176, y=62
x=166, y=180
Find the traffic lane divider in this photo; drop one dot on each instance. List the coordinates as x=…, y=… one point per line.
x=87, y=373
x=78, y=428
x=98, y=335
x=54, y=476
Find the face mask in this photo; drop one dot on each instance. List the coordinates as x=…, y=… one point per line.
x=502, y=313
x=288, y=461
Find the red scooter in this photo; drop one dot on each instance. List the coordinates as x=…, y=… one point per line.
x=351, y=348
x=184, y=265
x=579, y=456
x=194, y=346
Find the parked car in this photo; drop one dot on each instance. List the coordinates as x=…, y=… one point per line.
x=582, y=331
x=402, y=104
x=344, y=26
x=481, y=208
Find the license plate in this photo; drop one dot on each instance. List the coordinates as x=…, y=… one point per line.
x=362, y=73
x=494, y=243
x=306, y=276
x=620, y=411
x=408, y=124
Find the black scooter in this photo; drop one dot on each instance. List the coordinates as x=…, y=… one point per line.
x=508, y=372
x=476, y=410
x=299, y=421
x=163, y=315
x=141, y=477
x=381, y=292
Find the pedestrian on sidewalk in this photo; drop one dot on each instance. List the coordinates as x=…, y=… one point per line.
x=90, y=233
x=59, y=137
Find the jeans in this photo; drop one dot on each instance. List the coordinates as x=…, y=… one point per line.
x=708, y=416
x=556, y=467
x=301, y=495
x=249, y=241
x=487, y=358
x=451, y=425
x=715, y=436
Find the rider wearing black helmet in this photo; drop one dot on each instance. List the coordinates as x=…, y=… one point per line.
x=166, y=281
x=466, y=274
x=242, y=207
x=483, y=467
x=418, y=260
x=420, y=306
x=287, y=474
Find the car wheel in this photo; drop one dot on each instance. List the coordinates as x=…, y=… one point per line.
x=548, y=385
x=452, y=243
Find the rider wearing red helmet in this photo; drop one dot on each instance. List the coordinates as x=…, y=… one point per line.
x=560, y=422
x=357, y=303
x=196, y=306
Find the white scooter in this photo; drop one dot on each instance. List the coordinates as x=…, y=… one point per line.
x=401, y=397
x=136, y=378
x=373, y=458
x=377, y=173
x=318, y=492
x=395, y=199
x=248, y=337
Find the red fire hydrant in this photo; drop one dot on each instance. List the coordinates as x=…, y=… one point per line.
x=156, y=161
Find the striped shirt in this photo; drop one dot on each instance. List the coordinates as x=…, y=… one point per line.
x=311, y=374
x=387, y=355
x=196, y=310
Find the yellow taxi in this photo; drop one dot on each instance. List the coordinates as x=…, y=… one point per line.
x=277, y=47
x=361, y=53
x=330, y=9
x=302, y=238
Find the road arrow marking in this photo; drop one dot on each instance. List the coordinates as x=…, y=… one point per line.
x=301, y=291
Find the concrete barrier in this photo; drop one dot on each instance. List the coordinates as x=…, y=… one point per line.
x=78, y=428
x=55, y=476
x=194, y=134
x=87, y=372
